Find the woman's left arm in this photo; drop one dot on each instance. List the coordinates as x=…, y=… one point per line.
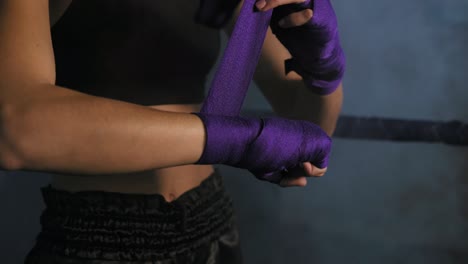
x=288, y=95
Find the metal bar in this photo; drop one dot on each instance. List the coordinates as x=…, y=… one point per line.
x=392, y=129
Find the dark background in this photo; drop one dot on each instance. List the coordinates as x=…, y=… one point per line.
x=381, y=202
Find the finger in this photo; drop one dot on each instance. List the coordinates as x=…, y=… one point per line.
x=264, y=5
x=260, y=4
x=296, y=19
x=312, y=170
x=293, y=182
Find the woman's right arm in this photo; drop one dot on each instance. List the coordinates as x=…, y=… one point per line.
x=44, y=127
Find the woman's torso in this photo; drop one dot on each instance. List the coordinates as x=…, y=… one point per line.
x=141, y=51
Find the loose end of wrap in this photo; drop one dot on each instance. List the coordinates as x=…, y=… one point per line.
x=324, y=85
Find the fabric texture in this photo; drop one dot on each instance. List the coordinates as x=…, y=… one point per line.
x=125, y=50
x=315, y=46
x=267, y=147
x=236, y=68
x=108, y=227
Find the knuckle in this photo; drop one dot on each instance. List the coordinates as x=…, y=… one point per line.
x=306, y=14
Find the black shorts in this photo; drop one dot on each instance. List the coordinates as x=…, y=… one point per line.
x=111, y=228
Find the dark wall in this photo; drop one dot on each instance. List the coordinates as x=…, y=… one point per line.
x=380, y=202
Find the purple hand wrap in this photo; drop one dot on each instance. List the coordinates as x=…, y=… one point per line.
x=267, y=147
x=315, y=47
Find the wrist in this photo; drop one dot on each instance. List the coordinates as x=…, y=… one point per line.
x=320, y=75
x=227, y=137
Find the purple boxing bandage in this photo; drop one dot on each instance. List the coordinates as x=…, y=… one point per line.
x=315, y=46
x=267, y=147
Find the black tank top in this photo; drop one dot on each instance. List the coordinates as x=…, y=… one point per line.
x=120, y=49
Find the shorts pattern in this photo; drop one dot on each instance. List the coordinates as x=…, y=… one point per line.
x=111, y=228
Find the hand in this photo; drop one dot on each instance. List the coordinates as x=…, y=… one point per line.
x=309, y=30
x=216, y=14
x=282, y=146
x=272, y=148
x=298, y=176
x=293, y=20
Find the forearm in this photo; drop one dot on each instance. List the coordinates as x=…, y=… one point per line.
x=321, y=110
x=61, y=130
x=288, y=95
x=291, y=99
x=48, y=128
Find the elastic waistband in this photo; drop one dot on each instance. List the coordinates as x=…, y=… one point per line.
x=128, y=204
x=119, y=226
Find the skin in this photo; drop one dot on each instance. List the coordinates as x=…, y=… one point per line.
x=104, y=144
